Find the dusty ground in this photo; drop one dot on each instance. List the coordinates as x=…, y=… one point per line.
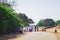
x=51, y=30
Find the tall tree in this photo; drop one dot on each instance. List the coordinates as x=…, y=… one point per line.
x=25, y=19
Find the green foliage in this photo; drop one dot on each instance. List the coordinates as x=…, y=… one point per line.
x=9, y=22
x=30, y=21
x=40, y=22
x=25, y=19
x=57, y=22
x=46, y=22
x=49, y=22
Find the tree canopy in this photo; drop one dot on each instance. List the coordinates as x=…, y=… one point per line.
x=46, y=22
x=57, y=22
x=9, y=22
x=25, y=19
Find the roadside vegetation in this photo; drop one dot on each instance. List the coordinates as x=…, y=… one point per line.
x=10, y=21
x=48, y=23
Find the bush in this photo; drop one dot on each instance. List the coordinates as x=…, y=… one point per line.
x=9, y=22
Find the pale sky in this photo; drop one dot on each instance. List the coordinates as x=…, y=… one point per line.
x=39, y=9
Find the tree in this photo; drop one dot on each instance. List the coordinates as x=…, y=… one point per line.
x=30, y=21
x=40, y=23
x=57, y=22
x=49, y=22
x=8, y=3
x=9, y=22
x=46, y=22
x=25, y=19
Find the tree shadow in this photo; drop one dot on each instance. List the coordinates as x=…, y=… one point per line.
x=9, y=36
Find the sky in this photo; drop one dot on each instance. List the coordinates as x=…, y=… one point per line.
x=39, y=9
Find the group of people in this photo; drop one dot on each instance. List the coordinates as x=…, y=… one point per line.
x=30, y=29
x=20, y=30
x=27, y=29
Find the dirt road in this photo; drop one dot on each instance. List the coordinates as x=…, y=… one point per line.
x=39, y=36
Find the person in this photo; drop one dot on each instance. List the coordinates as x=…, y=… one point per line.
x=30, y=29
x=35, y=28
x=55, y=31
x=20, y=30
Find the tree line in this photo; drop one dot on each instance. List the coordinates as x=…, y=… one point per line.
x=48, y=22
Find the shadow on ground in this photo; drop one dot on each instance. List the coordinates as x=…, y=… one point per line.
x=8, y=36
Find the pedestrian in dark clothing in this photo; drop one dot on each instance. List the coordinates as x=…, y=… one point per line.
x=55, y=31
x=20, y=30
x=35, y=28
